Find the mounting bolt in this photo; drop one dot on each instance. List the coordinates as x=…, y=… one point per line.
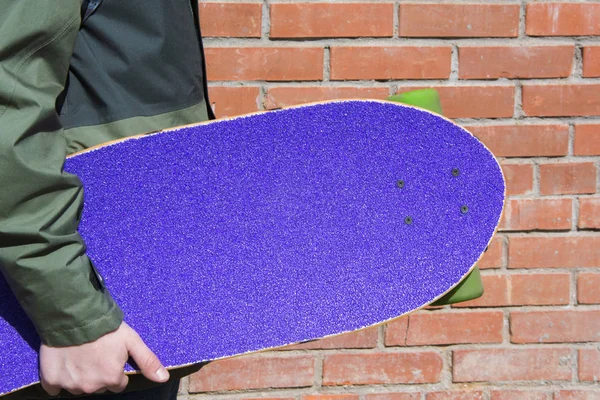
x=408, y=220
x=455, y=172
x=400, y=184
x=464, y=209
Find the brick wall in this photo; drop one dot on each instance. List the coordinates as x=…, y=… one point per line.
x=523, y=76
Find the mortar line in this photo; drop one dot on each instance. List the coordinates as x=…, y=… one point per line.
x=265, y=22
x=396, y=20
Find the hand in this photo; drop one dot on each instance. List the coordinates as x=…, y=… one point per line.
x=98, y=366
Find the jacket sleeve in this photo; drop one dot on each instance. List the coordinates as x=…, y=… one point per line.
x=42, y=256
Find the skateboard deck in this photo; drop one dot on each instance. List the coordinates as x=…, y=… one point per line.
x=245, y=234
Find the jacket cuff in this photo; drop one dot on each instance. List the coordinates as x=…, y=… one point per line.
x=89, y=331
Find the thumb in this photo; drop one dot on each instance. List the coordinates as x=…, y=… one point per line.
x=146, y=360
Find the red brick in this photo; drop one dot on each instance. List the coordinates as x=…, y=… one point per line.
x=561, y=100
x=396, y=331
x=492, y=258
x=287, y=96
x=363, y=339
x=331, y=397
x=567, y=178
x=316, y=20
x=520, y=395
x=495, y=293
x=508, y=365
x=381, y=368
x=492, y=62
x=587, y=288
x=587, y=140
x=539, y=289
x=459, y=20
x=554, y=326
x=230, y=101
x=454, y=328
x=589, y=365
x=577, y=394
x=554, y=252
x=390, y=62
x=475, y=101
x=254, y=372
x=455, y=395
x=230, y=19
x=264, y=63
x=589, y=213
x=591, y=61
x=521, y=290
x=393, y=396
x=537, y=214
x=519, y=178
x=562, y=19
x=524, y=140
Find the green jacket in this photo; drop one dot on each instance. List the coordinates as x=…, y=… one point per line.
x=66, y=85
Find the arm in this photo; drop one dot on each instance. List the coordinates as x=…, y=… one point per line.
x=42, y=256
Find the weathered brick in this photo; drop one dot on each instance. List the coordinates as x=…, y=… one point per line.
x=287, y=96
x=589, y=365
x=230, y=101
x=555, y=326
x=520, y=395
x=254, y=372
x=459, y=20
x=264, y=63
x=395, y=332
x=381, y=368
x=539, y=289
x=390, y=62
x=591, y=61
x=524, y=140
x=589, y=213
x=230, y=19
x=590, y=394
x=562, y=19
x=537, y=214
x=568, y=178
x=363, y=339
x=508, y=365
x=475, y=101
x=492, y=62
x=554, y=252
x=492, y=258
x=587, y=288
x=315, y=20
x=587, y=140
x=454, y=328
x=519, y=178
x=562, y=100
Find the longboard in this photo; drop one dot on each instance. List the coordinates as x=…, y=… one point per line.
x=276, y=228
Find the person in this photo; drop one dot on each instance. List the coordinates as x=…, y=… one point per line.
x=74, y=74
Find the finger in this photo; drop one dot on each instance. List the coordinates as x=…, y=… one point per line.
x=119, y=387
x=149, y=364
x=52, y=390
x=75, y=392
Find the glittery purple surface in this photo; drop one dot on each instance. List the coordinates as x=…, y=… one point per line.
x=281, y=227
